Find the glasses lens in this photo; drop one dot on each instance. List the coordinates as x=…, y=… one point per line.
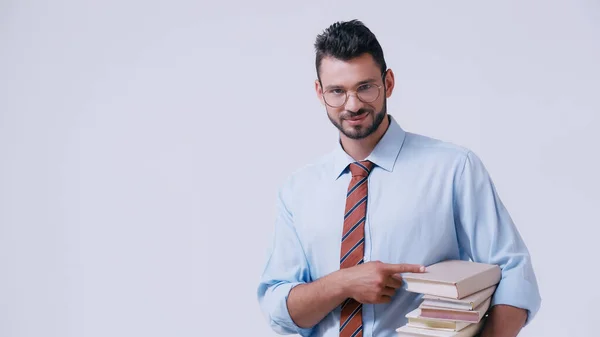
x=335, y=98
x=368, y=93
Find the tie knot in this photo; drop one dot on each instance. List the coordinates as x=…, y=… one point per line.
x=361, y=168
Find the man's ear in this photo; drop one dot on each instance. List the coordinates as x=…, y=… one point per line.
x=389, y=83
x=319, y=91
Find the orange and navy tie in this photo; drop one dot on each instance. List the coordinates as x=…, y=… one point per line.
x=353, y=243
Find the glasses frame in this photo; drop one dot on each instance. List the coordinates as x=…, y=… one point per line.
x=356, y=93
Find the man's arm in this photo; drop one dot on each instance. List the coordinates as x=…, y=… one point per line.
x=372, y=282
x=285, y=269
x=309, y=303
x=504, y=321
x=486, y=233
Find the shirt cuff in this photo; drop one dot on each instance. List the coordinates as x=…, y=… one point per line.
x=281, y=320
x=519, y=293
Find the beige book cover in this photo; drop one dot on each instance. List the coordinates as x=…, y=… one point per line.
x=470, y=331
x=414, y=320
x=453, y=278
x=472, y=316
x=468, y=303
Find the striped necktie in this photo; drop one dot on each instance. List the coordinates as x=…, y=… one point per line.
x=353, y=242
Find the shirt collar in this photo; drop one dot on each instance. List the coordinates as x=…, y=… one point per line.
x=383, y=155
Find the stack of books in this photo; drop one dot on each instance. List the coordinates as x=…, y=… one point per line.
x=456, y=297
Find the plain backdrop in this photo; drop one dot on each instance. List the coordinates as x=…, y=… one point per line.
x=142, y=143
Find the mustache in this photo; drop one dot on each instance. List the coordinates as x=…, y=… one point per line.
x=351, y=114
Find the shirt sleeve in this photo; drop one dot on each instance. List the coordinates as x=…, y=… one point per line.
x=286, y=267
x=486, y=233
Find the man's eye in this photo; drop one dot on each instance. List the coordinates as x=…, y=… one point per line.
x=365, y=87
x=337, y=91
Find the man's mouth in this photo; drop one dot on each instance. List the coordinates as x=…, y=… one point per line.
x=358, y=118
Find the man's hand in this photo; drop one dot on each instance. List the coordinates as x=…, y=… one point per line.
x=375, y=282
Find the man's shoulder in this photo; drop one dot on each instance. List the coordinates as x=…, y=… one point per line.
x=442, y=153
x=427, y=145
x=310, y=173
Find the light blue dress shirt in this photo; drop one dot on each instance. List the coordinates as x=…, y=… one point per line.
x=428, y=201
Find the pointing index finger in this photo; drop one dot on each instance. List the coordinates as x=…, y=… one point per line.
x=405, y=268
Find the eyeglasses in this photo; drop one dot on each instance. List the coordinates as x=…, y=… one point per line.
x=366, y=93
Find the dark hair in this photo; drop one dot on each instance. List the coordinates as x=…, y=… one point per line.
x=347, y=40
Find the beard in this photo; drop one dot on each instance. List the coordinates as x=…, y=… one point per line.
x=360, y=131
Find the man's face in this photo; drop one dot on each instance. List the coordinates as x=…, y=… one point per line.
x=359, y=77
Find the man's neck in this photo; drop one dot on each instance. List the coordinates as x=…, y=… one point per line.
x=359, y=149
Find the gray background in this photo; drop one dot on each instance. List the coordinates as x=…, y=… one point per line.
x=141, y=145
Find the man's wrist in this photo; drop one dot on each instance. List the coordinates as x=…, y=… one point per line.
x=339, y=285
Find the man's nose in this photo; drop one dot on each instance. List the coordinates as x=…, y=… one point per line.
x=353, y=103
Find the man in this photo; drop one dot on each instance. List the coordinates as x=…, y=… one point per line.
x=384, y=202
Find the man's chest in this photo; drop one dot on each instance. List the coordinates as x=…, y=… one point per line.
x=407, y=221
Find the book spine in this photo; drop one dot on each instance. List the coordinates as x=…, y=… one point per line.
x=471, y=317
